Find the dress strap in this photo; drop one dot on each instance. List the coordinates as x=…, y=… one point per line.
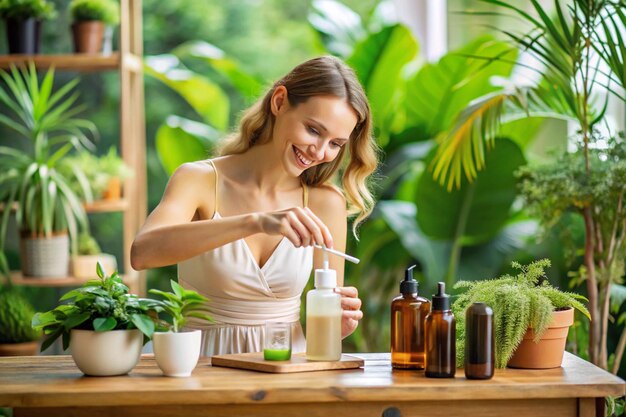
x=216, y=182
x=305, y=195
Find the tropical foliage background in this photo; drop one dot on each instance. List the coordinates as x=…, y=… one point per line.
x=472, y=231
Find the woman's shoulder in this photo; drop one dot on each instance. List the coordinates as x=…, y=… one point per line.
x=197, y=169
x=326, y=197
x=194, y=173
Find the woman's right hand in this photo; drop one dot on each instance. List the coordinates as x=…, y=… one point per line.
x=300, y=225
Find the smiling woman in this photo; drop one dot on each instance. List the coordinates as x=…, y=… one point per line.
x=242, y=227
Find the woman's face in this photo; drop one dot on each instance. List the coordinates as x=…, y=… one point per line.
x=312, y=132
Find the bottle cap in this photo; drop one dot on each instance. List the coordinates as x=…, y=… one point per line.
x=325, y=278
x=441, y=300
x=409, y=285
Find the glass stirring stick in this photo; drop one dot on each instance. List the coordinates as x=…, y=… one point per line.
x=336, y=252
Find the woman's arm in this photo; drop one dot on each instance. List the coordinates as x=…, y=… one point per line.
x=169, y=235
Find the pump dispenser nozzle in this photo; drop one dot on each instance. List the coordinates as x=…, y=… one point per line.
x=441, y=300
x=325, y=278
x=409, y=285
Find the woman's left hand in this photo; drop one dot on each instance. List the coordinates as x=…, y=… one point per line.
x=351, y=305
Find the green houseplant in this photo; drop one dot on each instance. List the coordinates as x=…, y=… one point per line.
x=521, y=302
x=104, y=173
x=23, y=23
x=581, y=52
x=17, y=337
x=104, y=325
x=90, y=18
x=177, y=351
x=48, y=212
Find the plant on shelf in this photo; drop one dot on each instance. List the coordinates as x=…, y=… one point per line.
x=521, y=302
x=177, y=351
x=579, y=54
x=104, y=174
x=104, y=325
x=48, y=211
x=17, y=337
x=88, y=256
x=23, y=23
x=90, y=18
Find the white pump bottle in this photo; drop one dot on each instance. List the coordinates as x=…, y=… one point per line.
x=323, y=317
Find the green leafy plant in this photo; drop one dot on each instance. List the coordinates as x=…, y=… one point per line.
x=102, y=304
x=581, y=54
x=106, y=11
x=87, y=245
x=519, y=302
x=16, y=313
x=180, y=305
x=26, y=9
x=98, y=170
x=29, y=177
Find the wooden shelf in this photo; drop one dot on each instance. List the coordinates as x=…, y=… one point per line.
x=74, y=62
x=98, y=206
x=19, y=279
x=106, y=206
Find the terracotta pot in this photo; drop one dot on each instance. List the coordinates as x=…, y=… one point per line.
x=113, y=190
x=19, y=349
x=548, y=352
x=88, y=37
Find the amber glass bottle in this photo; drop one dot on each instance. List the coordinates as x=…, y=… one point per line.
x=440, y=337
x=479, y=342
x=408, y=314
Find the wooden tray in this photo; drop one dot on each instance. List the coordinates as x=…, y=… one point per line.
x=297, y=363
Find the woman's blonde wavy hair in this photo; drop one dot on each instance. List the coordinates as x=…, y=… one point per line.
x=325, y=75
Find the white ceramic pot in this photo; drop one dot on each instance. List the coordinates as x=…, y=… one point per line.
x=177, y=354
x=110, y=353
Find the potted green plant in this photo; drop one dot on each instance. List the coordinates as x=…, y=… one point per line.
x=88, y=256
x=105, y=174
x=48, y=212
x=104, y=326
x=531, y=317
x=17, y=337
x=23, y=23
x=177, y=351
x=91, y=17
x=579, y=50
x=116, y=170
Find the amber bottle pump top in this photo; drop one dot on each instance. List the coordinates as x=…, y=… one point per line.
x=408, y=285
x=441, y=300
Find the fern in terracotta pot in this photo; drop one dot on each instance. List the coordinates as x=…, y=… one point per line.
x=525, y=306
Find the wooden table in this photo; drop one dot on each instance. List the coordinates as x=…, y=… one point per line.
x=53, y=386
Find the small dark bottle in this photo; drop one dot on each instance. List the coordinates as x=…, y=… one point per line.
x=479, y=342
x=408, y=315
x=440, y=337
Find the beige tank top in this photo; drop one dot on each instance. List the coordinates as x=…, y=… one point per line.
x=242, y=295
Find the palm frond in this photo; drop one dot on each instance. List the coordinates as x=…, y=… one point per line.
x=462, y=148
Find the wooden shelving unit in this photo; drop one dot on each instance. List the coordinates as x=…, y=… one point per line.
x=127, y=62
x=17, y=278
